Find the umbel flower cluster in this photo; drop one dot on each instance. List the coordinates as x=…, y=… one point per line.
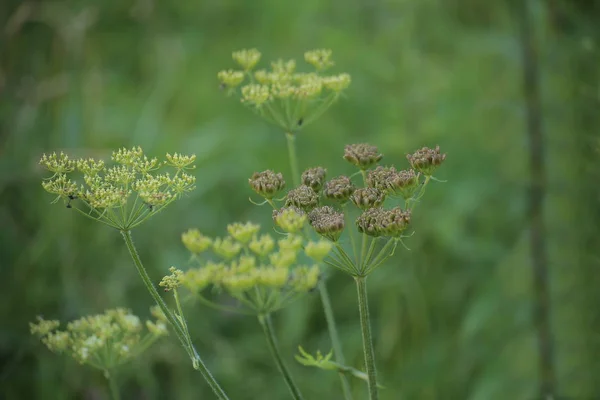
x=103, y=341
x=282, y=95
x=262, y=273
x=324, y=202
x=122, y=195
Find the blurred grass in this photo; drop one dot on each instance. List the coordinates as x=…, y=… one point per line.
x=452, y=317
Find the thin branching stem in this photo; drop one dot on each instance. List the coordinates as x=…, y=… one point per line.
x=265, y=322
x=365, y=325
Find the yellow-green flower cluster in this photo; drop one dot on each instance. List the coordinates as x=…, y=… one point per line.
x=104, y=341
x=124, y=194
x=282, y=95
x=263, y=273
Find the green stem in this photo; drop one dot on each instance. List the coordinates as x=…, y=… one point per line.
x=197, y=361
x=328, y=310
x=365, y=324
x=112, y=384
x=265, y=322
x=337, y=348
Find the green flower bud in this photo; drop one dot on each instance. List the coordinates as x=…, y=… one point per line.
x=43, y=327
x=290, y=243
x=244, y=264
x=362, y=155
x=59, y=164
x=291, y=219
x=337, y=83
x=195, y=242
x=172, y=281
x=305, y=278
x=272, y=277
x=320, y=59
x=327, y=222
x=365, y=198
x=426, y=160
x=406, y=184
x=181, y=161
x=340, y=189
x=230, y=78
x=226, y=248
x=196, y=279
x=303, y=197
x=262, y=246
x=240, y=283
x=387, y=179
x=314, y=177
x=267, y=183
x=247, y=58
x=318, y=250
x=283, y=258
x=243, y=233
x=256, y=95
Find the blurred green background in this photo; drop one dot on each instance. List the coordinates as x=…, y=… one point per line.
x=452, y=318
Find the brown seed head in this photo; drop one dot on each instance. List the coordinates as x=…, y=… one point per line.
x=339, y=188
x=314, y=177
x=426, y=160
x=327, y=222
x=303, y=197
x=362, y=155
x=267, y=183
x=365, y=198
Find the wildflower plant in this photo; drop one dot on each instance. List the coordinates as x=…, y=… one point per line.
x=282, y=95
x=124, y=195
x=384, y=200
x=260, y=272
x=104, y=341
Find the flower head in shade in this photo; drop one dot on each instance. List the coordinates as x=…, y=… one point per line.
x=303, y=197
x=426, y=160
x=314, y=177
x=327, y=222
x=339, y=189
x=368, y=197
x=267, y=183
x=362, y=155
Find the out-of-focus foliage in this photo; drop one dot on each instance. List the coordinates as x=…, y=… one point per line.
x=451, y=317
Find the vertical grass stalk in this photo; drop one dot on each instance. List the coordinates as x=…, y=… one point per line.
x=197, y=361
x=265, y=322
x=365, y=325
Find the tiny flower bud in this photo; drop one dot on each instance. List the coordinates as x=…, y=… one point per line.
x=195, y=242
x=426, y=160
x=267, y=183
x=362, y=155
x=340, y=188
x=247, y=58
x=407, y=183
x=368, y=197
x=291, y=219
x=303, y=197
x=290, y=243
x=243, y=233
x=181, y=161
x=320, y=59
x=314, y=177
x=393, y=222
x=255, y=95
x=368, y=222
x=318, y=250
x=327, y=222
x=272, y=277
x=305, y=278
x=172, y=281
x=230, y=78
x=226, y=248
x=337, y=83
x=283, y=258
x=262, y=246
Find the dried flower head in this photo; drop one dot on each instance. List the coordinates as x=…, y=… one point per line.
x=368, y=197
x=387, y=179
x=303, y=197
x=380, y=222
x=426, y=160
x=340, y=188
x=327, y=222
x=123, y=195
x=362, y=155
x=267, y=183
x=103, y=341
x=314, y=177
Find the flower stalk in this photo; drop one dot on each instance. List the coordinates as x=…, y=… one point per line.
x=365, y=325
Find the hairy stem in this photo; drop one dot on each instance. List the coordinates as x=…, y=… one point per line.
x=323, y=292
x=365, y=324
x=181, y=335
x=265, y=322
